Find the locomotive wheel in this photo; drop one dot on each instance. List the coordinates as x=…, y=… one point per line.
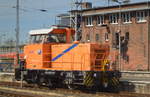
x=29, y=81
x=49, y=84
x=71, y=86
x=105, y=84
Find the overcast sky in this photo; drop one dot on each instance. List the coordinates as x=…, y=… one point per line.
x=31, y=17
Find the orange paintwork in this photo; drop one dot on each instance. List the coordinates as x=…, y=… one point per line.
x=37, y=55
x=84, y=57
x=68, y=31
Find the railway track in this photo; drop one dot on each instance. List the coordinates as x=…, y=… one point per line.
x=9, y=89
x=4, y=93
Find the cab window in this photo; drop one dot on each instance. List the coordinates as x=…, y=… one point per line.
x=50, y=38
x=37, y=38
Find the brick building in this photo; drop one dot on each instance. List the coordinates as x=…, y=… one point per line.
x=103, y=24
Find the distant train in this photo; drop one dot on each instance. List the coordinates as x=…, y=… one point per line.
x=52, y=59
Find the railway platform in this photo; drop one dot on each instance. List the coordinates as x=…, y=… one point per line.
x=135, y=81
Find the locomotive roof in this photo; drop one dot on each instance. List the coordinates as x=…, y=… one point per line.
x=44, y=31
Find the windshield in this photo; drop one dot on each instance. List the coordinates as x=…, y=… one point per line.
x=50, y=38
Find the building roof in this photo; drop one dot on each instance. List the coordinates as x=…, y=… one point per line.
x=63, y=15
x=116, y=6
x=115, y=11
x=87, y=13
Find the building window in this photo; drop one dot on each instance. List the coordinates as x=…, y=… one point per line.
x=127, y=36
x=97, y=37
x=106, y=37
x=89, y=21
x=116, y=41
x=126, y=17
x=100, y=20
x=141, y=16
x=88, y=38
x=113, y=18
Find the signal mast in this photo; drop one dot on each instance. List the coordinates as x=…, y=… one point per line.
x=76, y=18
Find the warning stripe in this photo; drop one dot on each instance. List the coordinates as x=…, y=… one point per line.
x=114, y=81
x=88, y=80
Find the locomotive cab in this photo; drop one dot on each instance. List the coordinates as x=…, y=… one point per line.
x=38, y=52
x=55, y=34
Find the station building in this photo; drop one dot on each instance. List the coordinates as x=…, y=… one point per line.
x=129, y=24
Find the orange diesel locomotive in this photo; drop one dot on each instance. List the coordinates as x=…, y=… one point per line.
x=51, y=59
